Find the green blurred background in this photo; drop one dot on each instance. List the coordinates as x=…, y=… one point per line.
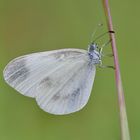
x=31, y=26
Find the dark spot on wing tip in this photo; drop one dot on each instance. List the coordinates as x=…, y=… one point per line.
x=20, y=75
x=18, y=71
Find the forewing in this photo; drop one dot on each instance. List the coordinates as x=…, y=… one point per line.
x=25, y=73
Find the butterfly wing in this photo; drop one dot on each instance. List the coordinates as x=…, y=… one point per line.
x=68, y=90
x=57, y=79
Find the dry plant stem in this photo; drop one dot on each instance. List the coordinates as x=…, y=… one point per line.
x=121, y=101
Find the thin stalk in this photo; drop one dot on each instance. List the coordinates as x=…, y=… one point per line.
x=121, y=101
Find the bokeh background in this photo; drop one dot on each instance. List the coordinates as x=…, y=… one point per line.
x=39, y=25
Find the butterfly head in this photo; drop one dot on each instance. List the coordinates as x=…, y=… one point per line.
x=92, y=47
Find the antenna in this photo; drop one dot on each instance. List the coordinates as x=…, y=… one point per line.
x=95, y=30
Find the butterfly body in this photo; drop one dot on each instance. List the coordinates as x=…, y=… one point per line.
x=95, y=55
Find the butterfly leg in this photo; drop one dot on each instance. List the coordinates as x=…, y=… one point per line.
x=108, y=42
x=107, y=55
x=105, y=66
x=101, y=50
x=104, y=45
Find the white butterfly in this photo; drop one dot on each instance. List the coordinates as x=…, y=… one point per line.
x=60, y=80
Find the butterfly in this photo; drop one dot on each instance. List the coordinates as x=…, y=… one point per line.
x=59, y=80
